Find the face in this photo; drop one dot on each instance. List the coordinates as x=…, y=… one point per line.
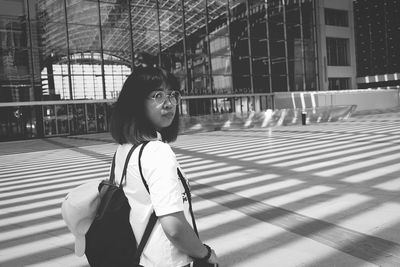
x=162, y=114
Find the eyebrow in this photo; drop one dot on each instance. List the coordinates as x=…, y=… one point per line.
x=163, y=90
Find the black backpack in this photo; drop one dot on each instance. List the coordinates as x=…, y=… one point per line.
x=110, y=240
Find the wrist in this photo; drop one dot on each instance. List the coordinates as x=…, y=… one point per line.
x=207, y=256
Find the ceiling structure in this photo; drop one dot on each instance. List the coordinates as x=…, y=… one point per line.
x=148, y=24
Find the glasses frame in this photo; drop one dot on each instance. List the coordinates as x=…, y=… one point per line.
x=174, y=100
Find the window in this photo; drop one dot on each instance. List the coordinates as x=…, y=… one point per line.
x=336, y=17
x=339, y=83
x=337, y=50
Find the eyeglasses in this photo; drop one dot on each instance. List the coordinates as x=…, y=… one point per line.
x=160, y=97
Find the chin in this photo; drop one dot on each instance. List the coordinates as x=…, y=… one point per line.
x=164, y=125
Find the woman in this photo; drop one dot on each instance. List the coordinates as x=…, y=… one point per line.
x=146, y=110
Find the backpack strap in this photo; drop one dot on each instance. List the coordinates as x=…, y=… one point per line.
x=140, y=166
x=128, y=157
x=153, y=217
x=189, y=196
x=112, y=174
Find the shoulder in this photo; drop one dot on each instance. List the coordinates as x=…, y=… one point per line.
x=158, y=149
x=122, y=150
x=157, y=153
x=158, y=160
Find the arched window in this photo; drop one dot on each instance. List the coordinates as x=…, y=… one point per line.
x=86, y=77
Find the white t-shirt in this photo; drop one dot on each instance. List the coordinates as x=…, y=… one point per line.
x=167, y=195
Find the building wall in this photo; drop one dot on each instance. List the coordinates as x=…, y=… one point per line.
x=328, y=31
x=363, y=99
x=377, y=27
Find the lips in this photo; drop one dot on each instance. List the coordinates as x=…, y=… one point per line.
x=168, y=115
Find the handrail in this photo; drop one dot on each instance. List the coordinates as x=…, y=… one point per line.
x=275, y=94
x=94, y=101
x=55, y=102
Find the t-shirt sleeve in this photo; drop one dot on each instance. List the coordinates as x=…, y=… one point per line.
x=160, y=172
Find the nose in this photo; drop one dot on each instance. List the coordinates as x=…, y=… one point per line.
x=167, y=102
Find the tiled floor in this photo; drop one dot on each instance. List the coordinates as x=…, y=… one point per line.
x=317, y=195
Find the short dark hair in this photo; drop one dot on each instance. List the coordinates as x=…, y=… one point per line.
x=129, y=123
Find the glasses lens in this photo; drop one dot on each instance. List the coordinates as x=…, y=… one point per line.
x=160, y=97
x=175, y=97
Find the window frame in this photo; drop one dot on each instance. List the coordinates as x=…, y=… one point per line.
x=336, y=17
x=344, y=83
x=337, y=51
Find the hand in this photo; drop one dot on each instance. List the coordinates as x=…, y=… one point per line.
x=213, y=258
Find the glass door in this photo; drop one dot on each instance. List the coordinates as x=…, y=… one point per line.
x=62, y=119
x=77, y=118
x=49, y=120
x=101, y=116
x=91, y=118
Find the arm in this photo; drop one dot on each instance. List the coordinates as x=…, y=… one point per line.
x=181, y=234
x=160, y=167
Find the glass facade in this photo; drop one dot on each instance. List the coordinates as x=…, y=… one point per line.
x=377, y=27
x=17, y=76
x=84, y=49
x=56, y=118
